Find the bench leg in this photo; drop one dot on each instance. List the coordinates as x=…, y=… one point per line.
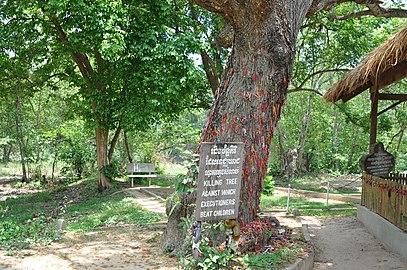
x=149, y=181
x=132, y=184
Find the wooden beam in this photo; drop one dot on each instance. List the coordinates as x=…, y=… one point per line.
x=374, y=97
x=356, y=92
x=397, y=73
x=400, y=97
x=391, y=106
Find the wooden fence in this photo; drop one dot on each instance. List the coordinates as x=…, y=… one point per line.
x=386, y=197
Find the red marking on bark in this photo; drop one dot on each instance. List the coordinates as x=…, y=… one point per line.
x=263, y=106
x=255, y=76
x=246, y=171
x=235, y=128
x=247, y=143
x=245, y=72
x=285, y=81
x=244, y=120
x=257, y=93
x=226, y=84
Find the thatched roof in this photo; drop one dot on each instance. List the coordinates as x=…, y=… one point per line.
x=383, y=66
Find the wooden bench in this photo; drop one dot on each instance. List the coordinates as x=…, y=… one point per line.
x=141, y=170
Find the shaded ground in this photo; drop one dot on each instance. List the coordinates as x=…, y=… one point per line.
x=119, y=247
x=7, y=190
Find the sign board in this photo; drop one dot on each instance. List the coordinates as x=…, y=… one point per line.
x=380, y=163
x=219, y=181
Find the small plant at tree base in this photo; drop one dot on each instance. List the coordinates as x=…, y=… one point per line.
x=268, y=188
x=112, y=170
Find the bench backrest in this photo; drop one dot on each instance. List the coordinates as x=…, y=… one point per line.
x=141, y=167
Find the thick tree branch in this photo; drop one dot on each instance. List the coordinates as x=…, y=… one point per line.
x=113, y=143
x=210, y=70
x=320, y=72
x=79, y=58
x=298, y=89
x=228, y=9
x=374, y=11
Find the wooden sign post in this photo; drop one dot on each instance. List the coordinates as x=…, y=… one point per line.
x=379, y=163
x=219, y=181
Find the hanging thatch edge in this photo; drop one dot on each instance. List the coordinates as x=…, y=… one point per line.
x=384, y=57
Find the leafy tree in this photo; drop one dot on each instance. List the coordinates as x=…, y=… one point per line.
x=131, y=57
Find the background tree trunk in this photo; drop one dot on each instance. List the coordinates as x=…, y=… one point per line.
x=20, y=140
x=336, y=141
x=113, y=144
x=303, y=135
x=126, y=144
x=101, y=155
x=6, y=152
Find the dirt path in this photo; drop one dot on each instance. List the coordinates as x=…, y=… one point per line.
x=118, y=247
x=343, y=243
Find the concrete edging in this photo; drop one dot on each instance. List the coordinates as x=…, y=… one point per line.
x=392, y=237
x=306, y=263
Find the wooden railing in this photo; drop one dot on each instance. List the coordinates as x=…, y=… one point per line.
x=386, y=197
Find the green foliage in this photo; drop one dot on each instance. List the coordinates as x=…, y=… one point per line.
x=185, y=184
x=108, y=211
x=213, y=257
x=113, y=170
x=307, y=207
x=38, y=230
x=22, y=226
x=268, y=187
x=282, y=255
x=72, y=143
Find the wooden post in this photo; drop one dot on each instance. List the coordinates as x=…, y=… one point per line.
x=374, y=97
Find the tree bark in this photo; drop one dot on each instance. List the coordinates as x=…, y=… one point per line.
x=6, y=152
x=101, y=156
x=253, y=89
x=20, y=140
x=336, y=141
x=352, y=149
x=113, y=144
x=303, y=135
x=126, y=144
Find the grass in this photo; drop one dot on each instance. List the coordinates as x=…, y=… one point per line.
x=162, y=182
x=317, y=183
x=274, y=260
x=32, y=219
x=104, y=211
x=305, y=206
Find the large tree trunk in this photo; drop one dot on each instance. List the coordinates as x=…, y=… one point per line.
x=253, y=91
x=101, y=155
x=253, y=87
